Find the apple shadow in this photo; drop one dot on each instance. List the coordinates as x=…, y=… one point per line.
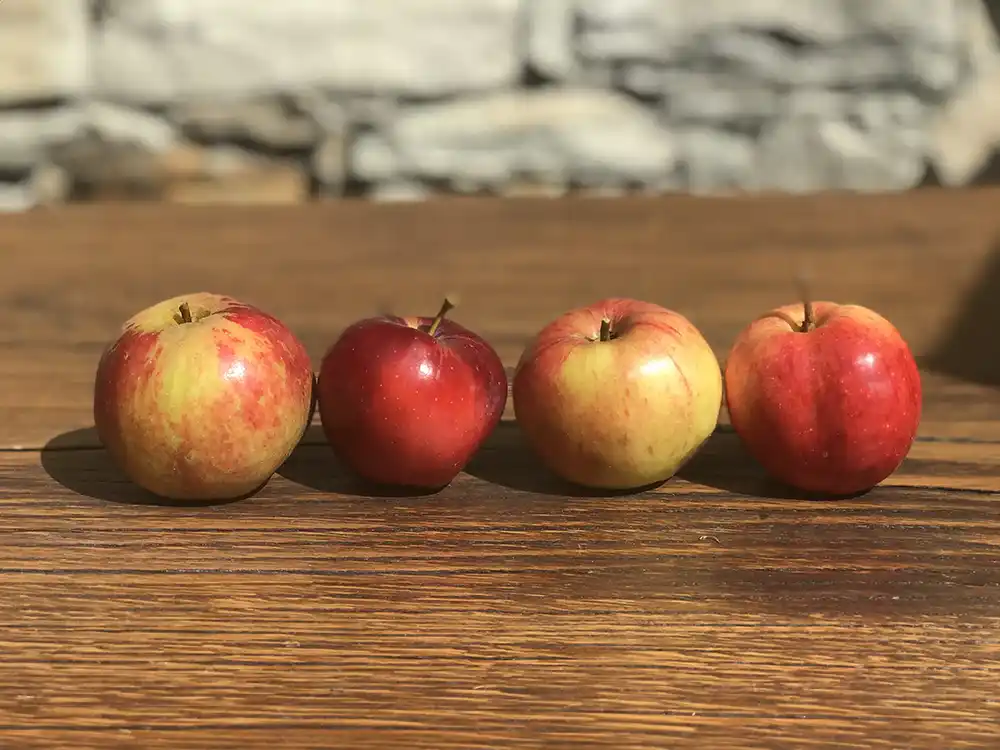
x=724, y=464
x=959, y=351
x=76, y=460
x=314, y=465
x=506, y=460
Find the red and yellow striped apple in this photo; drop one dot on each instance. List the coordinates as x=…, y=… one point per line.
x=826, y=397
x=617, y=395
x=202, y=397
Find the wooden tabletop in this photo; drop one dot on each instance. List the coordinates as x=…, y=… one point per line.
x=509, y=610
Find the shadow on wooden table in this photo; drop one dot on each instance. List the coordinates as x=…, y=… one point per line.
x=505, y=460
x=721, y=464
x=89, y=471
x=966, y=349
x=314, y=466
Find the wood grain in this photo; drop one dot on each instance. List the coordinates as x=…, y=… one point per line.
x=717, y=610
x=490, y=616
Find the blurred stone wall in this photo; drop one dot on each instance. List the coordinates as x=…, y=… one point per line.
x=260, y=101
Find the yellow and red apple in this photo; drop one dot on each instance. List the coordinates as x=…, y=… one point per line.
x=618, y=394
x=826, y=397
x=202, y=397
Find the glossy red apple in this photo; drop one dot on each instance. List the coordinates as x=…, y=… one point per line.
x=202, y=397
x=827, y=397
x=618, y=394
x=408, y=401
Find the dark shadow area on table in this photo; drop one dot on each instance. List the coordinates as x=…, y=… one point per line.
x=314, y=466
x=91, y=473
x=966, y=349
x=724, y=464
x=506, y=460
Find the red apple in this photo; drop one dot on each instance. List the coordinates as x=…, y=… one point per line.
x=408, y=401
x=617, y=395
x=202, y=397
x=826, y=397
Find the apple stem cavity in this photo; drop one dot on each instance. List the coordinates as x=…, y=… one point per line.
x=605, y=334
x=185, y=310
x=449, y=304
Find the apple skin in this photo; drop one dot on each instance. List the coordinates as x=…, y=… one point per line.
x=206, y=410
x=623, y=413
x=833, y=410
x=400, y=406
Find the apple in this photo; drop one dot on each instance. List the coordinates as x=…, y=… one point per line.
x=409, y=400
x=826, y=397
x=618, y=394
x=202, y=397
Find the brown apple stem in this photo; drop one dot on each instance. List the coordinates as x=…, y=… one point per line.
x=186, y=313
x=448, y=304
x=605, y=330
x=808, y=316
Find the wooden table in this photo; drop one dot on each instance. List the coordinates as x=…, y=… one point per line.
x=713, y=612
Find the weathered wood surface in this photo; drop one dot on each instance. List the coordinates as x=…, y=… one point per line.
x=508, y=610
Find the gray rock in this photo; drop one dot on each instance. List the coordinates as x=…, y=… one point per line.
x=264, y=121
x=643, y=78
x=43, y=50
x=50, y=184
x=721, y=99
x=374, y=159
x=805, y=153
x=843, y=42
x=26, y=135
x=631, y=27
x=748, y=53
x=16, y=197
x=715, y=160
x=966, y=132
x=115, y=146
x=894, y=117
x=662, y=29
x=549, y=33
x=112, y=123
x=552, y=137
x=162, y=51
x=979, y=44
x=329, y=164
x=399, y=191
x=335, y=116
x=43, y=185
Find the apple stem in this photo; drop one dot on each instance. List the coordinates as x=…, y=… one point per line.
x=605, y=330
x=448, y=304
x=808, y=315
x=186, y=313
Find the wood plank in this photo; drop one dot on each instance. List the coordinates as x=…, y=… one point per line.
x=73, y=275
x=688, y=617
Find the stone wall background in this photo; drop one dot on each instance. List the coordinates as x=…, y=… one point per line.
x=259, y=101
